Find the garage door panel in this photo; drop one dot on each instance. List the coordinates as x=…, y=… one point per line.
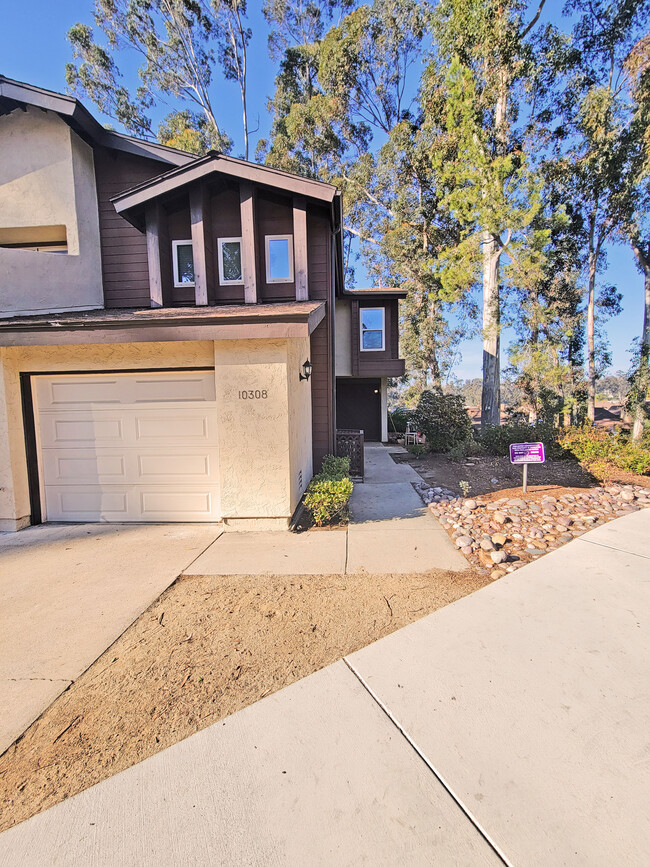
x=76, y=504
x=157, y=504
x=189, y=425
x=85, y=390
x=83, y=467
x=165, y=467
x=80, y=430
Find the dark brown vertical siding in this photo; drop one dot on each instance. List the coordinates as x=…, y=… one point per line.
x=320, y=289
x=226, y=223
x=179, y=228
x=124, y=249
x=274, y=216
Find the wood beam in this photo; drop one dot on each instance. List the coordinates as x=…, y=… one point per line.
x=248, y=251
x=156, y=228
x=300, y=247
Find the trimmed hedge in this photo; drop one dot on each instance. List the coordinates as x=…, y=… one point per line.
x=497, y=440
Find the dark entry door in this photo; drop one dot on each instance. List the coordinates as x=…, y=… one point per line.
x=358, y=406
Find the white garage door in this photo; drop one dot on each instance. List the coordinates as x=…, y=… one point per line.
x=128, y=446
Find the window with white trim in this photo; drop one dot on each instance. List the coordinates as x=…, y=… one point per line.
x=230, y=261
x=373, y=328
x=183, y=263
x=279, y=258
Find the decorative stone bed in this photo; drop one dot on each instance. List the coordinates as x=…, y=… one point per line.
x=499, y=536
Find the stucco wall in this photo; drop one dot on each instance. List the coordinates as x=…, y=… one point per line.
x=47, y=178
x=343, y=365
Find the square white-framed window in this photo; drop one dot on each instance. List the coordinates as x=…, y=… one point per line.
x=372, y=321
x=231, y=268
x=279, y=258
x=183, y=263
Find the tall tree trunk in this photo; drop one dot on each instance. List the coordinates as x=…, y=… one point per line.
x=644, y=359
x=591, y=308
x=436, y=378
x=491, y=393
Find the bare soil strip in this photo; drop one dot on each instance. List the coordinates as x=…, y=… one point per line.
x=206, y=648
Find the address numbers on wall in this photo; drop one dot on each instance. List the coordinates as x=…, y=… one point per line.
x=257, y=394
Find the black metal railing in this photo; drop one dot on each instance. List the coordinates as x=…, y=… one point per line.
x=349, y=444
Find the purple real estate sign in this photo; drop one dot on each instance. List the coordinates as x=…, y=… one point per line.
x=527, y=453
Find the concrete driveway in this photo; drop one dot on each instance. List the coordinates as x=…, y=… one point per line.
x=67, y=592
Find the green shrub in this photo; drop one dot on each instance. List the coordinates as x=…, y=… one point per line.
x=326, y=498
x=600, y=450
x=443, y=419
x=335, y=468
x=398, y=419
x=497, y=440
x=417, y=449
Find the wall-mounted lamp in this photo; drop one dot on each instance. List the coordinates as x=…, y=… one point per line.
x=306, y=370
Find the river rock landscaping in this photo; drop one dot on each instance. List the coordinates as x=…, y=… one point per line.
x=499, y=536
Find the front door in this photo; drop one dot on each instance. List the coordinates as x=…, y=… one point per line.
x=358, y=406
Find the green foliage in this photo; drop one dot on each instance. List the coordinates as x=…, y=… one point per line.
x=397, y=420
x=497, y=440
x=464, y=486
x=443, y=419
x=335, y=468
x=329, y=491
x=600, y=450
x=417, y=449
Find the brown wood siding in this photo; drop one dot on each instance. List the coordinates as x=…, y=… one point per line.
x=274, y=216
x=322, y=348
x=226, y=223
x=125, y=271
x=179, y=229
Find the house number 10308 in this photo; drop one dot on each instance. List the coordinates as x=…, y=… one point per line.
x=254, y=395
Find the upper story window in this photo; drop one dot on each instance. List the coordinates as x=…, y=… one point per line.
x=183, y=263
x=38, y=239
x=279, y=258
x=230, y=261
x=373, y=329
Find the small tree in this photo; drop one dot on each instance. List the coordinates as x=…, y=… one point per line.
x=443, y=419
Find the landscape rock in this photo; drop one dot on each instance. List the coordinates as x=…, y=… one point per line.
x=537, y=525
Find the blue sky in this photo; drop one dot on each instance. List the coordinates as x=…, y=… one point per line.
x=33, y=48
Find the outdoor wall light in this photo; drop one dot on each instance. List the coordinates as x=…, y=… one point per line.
x=306, y=370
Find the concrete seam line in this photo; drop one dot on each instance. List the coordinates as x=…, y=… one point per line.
x=491, y=843
x=614, y=548
x=347, y=549
x=201, y=552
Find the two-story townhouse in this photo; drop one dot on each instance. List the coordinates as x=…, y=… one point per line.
x=167, y=327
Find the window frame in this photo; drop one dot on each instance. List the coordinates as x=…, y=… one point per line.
x=362, y=348
x=267, y=258
x=178, y=284
x=222, y=280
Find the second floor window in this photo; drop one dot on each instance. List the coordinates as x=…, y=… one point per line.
x=372, y=329
x=279, y=258
x=183, y=263
x=230, y=261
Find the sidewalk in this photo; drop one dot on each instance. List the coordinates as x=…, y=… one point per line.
x=390, y=531
x=507, y=728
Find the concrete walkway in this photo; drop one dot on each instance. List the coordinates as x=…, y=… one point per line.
x=508, y=728
x=67, y=592
x=390, y=531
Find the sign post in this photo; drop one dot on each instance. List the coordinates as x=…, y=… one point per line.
x=527, y=453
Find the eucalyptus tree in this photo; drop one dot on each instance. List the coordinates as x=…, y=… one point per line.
x=180, y=44
x=594, y=141
x=482, y=61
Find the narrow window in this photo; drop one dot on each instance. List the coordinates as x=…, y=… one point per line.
x=372, y=329
x=183, y=262
x=230, y=261
x=279, y=258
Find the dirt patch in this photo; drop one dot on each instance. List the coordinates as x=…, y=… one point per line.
x=439, y=470
x=207, y=648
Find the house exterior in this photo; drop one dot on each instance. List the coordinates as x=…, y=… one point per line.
x=167, y=327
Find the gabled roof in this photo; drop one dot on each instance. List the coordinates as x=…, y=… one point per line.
x=17, y=94
x=217, y=163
